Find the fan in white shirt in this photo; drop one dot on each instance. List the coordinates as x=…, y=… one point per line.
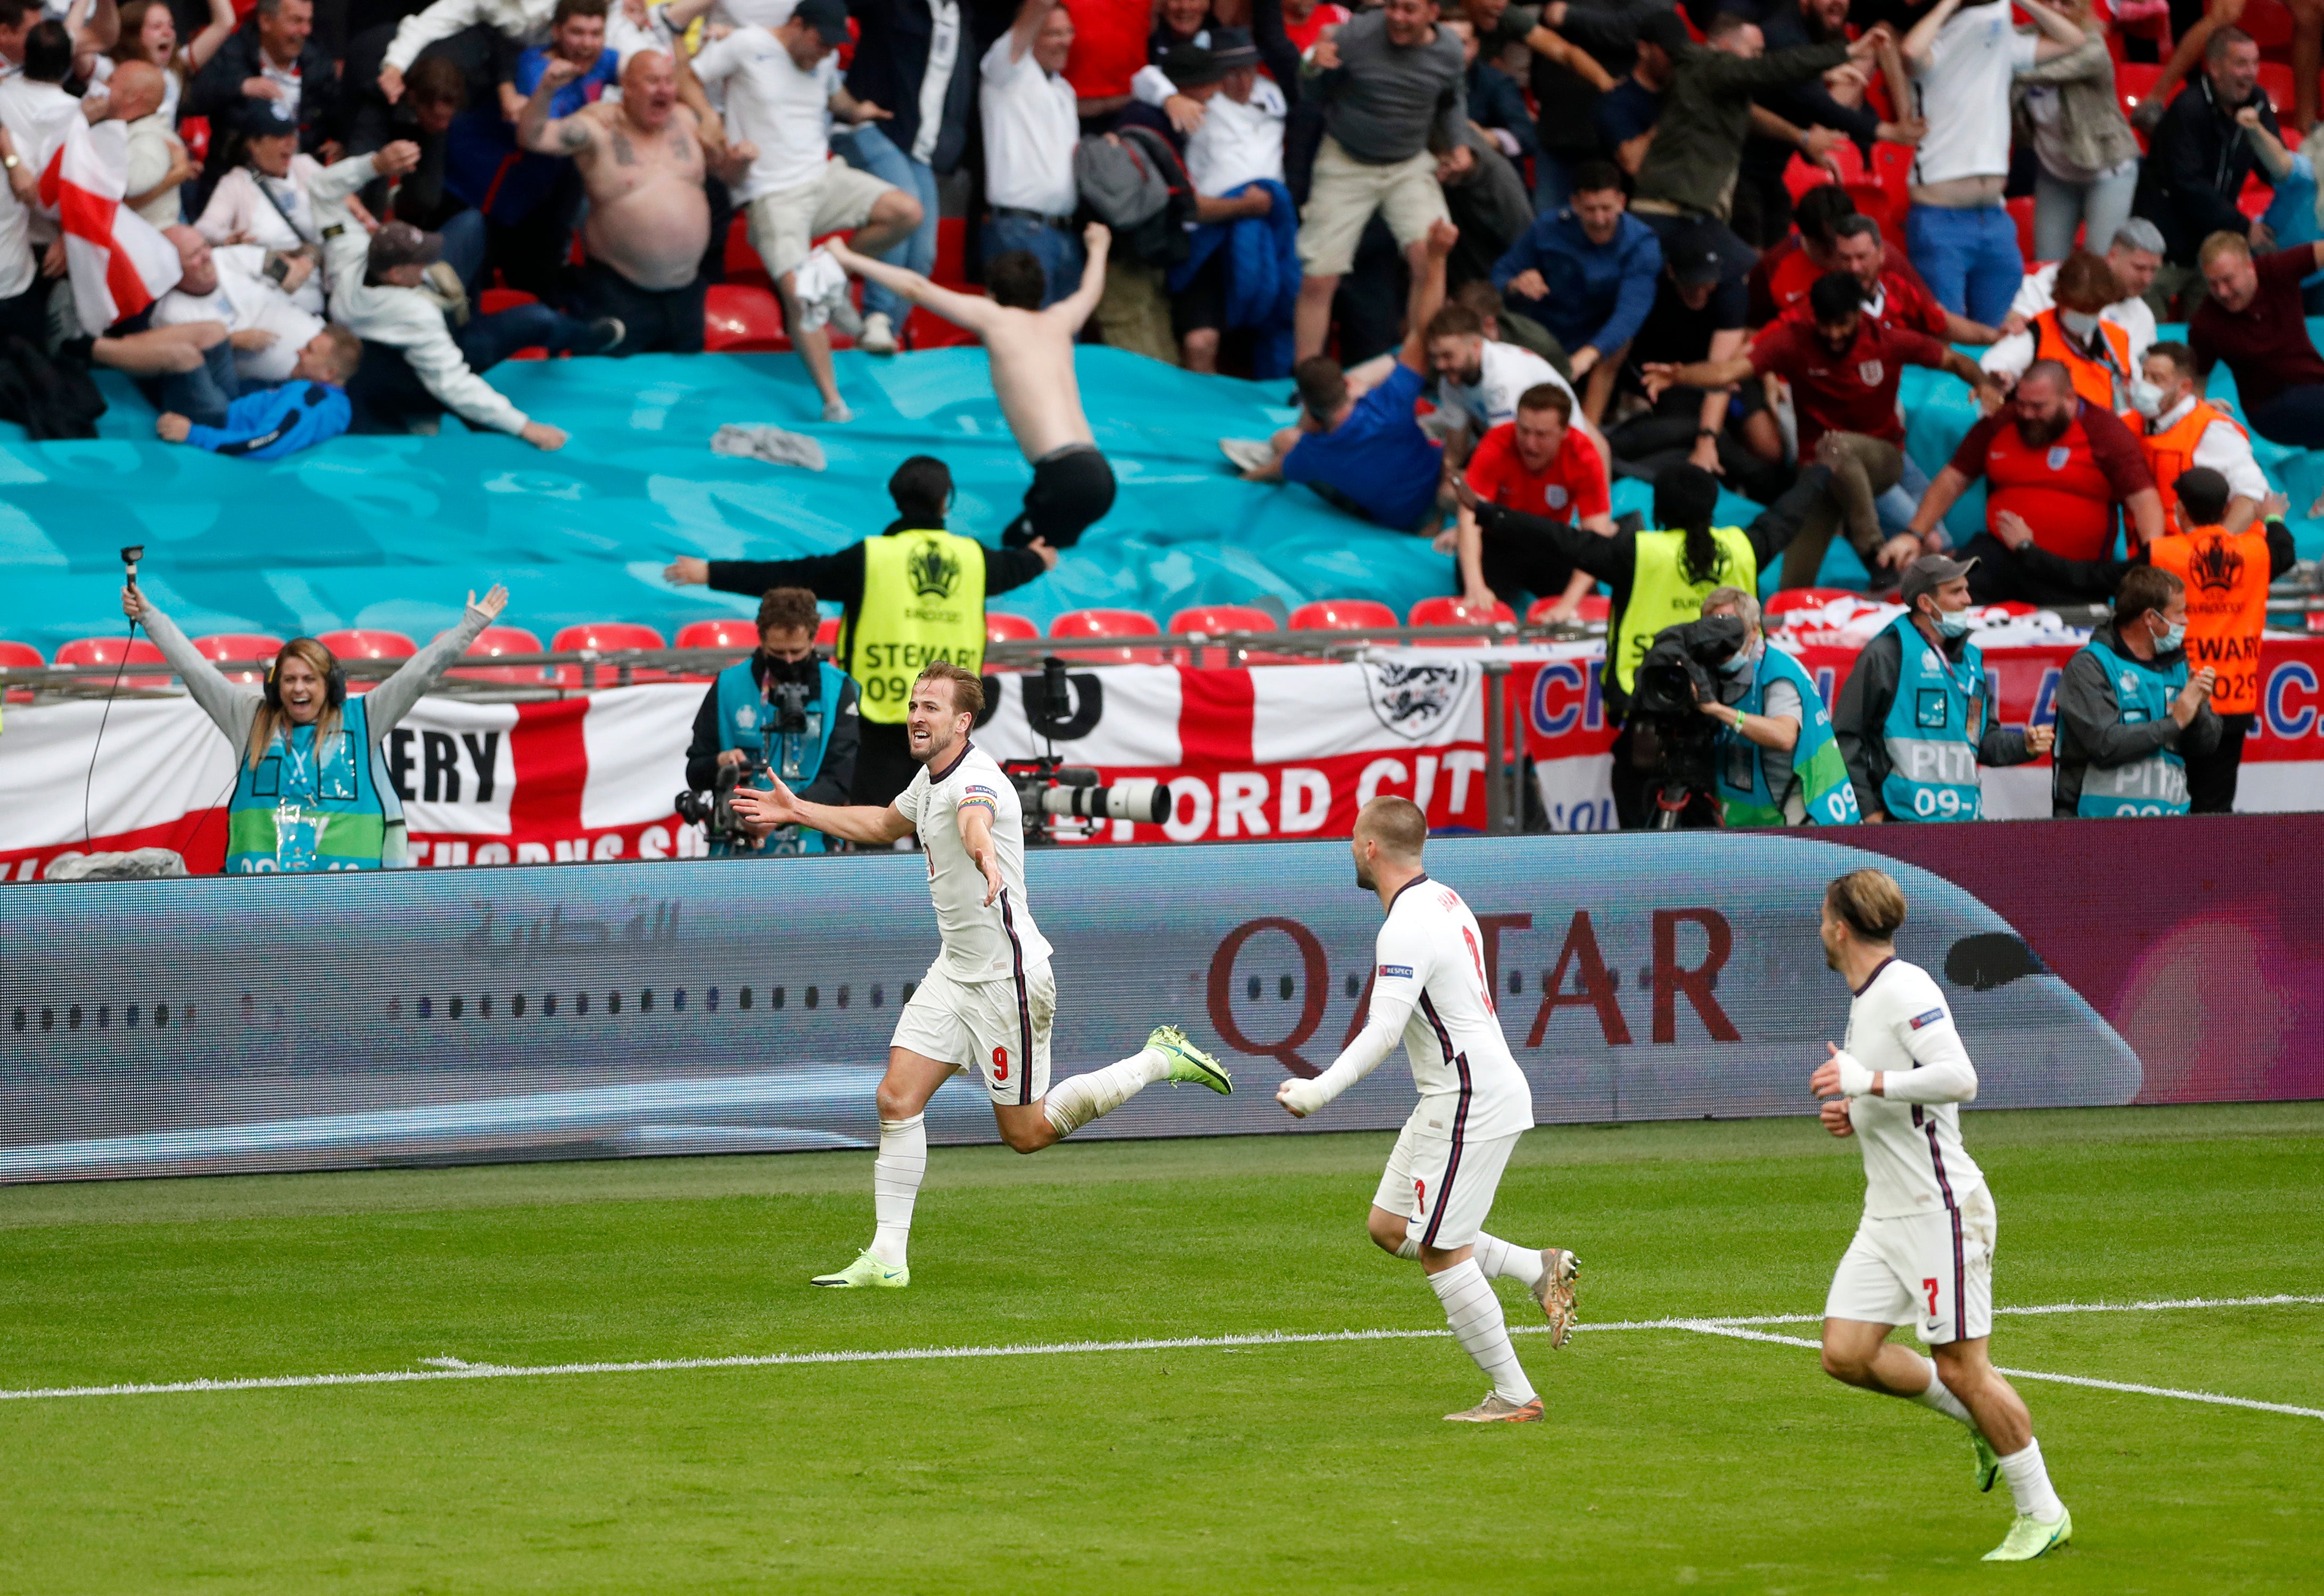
x=1432, y=991
x=987, y=1002
x=1923, y=1251
x=228, y=286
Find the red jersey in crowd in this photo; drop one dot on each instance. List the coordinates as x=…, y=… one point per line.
x=1572, y=488
x=1903, y=305
x=1785, y=274
x=2265, y=343
x=1304, y=34
x=1109, y=45
x=2066, y=490
x=1851, y=393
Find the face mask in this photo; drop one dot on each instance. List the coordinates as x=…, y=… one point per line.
x=2169, y=638
x=1736, y=666
x=2077, y=324
x=1952, y=626
x=2146, y=399
x=807, y=673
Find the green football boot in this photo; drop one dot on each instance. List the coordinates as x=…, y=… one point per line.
x=1988, y=1462
x=867, y=1270
x=2029, y=1537
x=1188, y=1061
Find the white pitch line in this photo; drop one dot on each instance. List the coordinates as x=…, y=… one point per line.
x=451, y=1369
x=1707, y=1328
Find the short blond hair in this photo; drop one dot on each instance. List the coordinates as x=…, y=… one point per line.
x=2222, y=243
x=1395, y=823
x=1869, y=902
x=967, y=686
x=1747, y=607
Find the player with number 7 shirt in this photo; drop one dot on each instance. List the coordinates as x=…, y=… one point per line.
x=1431, y=990
x=1923, y=1251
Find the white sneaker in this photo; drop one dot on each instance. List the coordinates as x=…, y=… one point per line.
x=1247, y=453
x=879, y=335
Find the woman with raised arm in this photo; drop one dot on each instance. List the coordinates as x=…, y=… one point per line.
x=310, y=788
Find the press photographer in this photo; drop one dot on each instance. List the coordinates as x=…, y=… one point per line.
x=782, y=712
x=1777, y=763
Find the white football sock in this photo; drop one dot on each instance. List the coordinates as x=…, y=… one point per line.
x=1073, y=1104
x=896, y=1175
x=1941, y=1398
x=1501, y=1260
x=2029, y=1482
x=1475, y=1314
x=1410, y=1246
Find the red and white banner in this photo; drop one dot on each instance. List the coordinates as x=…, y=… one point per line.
x=119, y=262
x=1274, y=752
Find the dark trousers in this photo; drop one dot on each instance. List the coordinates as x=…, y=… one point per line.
x=2211, y=778
x=884, y=765
x=660, y=321
x=388, y=397
x=202, y=394
x=2293, y=417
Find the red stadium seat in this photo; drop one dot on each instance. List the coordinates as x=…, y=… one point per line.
x=2021, y=211
x=2277, y=78
x=2270, y=25
x=742, y=262
x=1592, y=607
x=109, y=651
x=239, y=645
x=1341, y=615
x=1803, y=598
x=734, y=633
x=604, y=636
x=1211, y=619
x=1000, y=627
x=20, y=657
x=827, y=632
x=2133, y=82
x=1447, y=611
x=743, y=319
x=494, y=641
x=367, y=644
x=1080, y=623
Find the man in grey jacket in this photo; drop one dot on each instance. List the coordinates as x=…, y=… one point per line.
x=2129, y=715
x=1394, y=90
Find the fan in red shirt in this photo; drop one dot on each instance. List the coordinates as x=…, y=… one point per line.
x=1305, y=20
x=1897, y=298
x=2059, y=464
x=1542, y=465
x=1109, y=47
x=1780, y=282
x=1844, y=368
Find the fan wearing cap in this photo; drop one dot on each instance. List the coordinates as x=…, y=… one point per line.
x=1700, y=304
x=785, y=89
x=1844, y=368
x=265, y=196
x=414, y=366
x=1914, y=722
x=2058, y=462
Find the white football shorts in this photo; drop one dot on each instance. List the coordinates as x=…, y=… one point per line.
x=998, y=1026
x=1934, y=1271
x=1443, y=1185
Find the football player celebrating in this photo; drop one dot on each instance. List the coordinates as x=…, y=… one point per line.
x=1430, y=991
x=989, y=999
x=1923, y=1253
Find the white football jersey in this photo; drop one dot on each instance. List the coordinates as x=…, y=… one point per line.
x=980, y=943
x=1913, y=1158
x=1430, y=978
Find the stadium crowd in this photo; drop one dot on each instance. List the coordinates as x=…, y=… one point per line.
x=1505, y=254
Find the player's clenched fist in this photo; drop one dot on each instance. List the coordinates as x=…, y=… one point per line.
x=1299, y=1098
x=1834, y=1112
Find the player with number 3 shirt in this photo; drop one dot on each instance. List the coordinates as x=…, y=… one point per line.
x=1431, y=990
x=1923, y=1251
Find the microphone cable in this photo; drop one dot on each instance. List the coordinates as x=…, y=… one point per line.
x=88, y=782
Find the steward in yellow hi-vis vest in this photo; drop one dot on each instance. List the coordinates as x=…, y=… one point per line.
x=1660, y=578
x=914, y=595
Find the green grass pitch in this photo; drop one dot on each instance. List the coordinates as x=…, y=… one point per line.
x=1672, y=1459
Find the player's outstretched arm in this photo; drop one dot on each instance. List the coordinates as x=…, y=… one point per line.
x=976, y=821
x=856, y=823
x=1372, y=1045
x=965, y=311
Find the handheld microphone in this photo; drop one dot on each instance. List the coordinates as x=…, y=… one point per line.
x=129, y=556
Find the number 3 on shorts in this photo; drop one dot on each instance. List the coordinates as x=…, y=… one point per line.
x=1930, y=1286
x=1000, y=1072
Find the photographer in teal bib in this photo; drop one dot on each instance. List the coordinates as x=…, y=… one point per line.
x=310, y=790
x=2129, y=715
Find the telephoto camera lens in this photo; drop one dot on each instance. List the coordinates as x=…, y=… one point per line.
x=1141, y=799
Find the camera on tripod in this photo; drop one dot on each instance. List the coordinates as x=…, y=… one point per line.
x=1050, y=790
x=713, y=811
x=786, y=729
x=1670, y=738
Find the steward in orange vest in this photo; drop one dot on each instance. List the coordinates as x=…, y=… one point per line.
x=2169, y=448
x=2101, y=369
